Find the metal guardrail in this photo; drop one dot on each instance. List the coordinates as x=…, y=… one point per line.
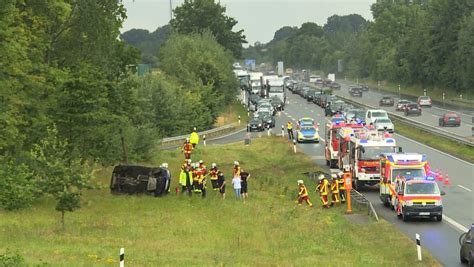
x=178, y=140
x=356, y=197
x=417, y=124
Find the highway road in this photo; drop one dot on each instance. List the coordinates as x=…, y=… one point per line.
x=441, y=239
x=429, y=116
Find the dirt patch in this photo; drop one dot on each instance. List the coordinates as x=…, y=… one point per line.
x=358, y=218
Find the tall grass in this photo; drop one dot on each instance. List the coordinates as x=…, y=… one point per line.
x=268, y=229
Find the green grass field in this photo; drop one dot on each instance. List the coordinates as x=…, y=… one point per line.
x=459, y=150
x=266, y=230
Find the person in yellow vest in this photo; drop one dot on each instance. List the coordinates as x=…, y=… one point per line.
x=186, y=180
x=194, y=138
x=213, y=174
x=303, y=194
x=334, y=190
x=342, y=187
x=202, y=183
x=289, y=127
x=323, y=188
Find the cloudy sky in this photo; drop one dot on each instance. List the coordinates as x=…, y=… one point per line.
x=258, y=18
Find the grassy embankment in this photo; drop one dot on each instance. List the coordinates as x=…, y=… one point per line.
x=231, y=114
x=459, y=150
x=452, y=98
x=268, y=229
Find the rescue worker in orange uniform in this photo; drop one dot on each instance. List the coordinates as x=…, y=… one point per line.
x=334, y=190
x=323, y=188
x=213, y=174
x=202, y=167
x=202, y=183
x=303, y=194
x=342, y=187
x=196, y=175
x=187, y=149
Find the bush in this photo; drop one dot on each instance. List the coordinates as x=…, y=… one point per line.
x=18, y=189
x=9, y=259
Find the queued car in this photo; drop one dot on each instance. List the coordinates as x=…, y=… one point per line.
x=268, y=121
x=335, y=107
x=355, y=91
x=277, y=104
x=466, y=252
x=335, y=86
x=413, y=109
x=317, y=96
x=307, y=133
x=450, y=119
x=357, y=115
x=387, y=101
x=266, y=107
x=424, y=101
x=256, y=124
x=327, y=99
x=338, y=118
x=384, y=124
x=401, y=104
x=310, y=94
x=364, y=87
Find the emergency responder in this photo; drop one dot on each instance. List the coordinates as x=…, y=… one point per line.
x=202, y=167
x=194, y=138
x=334, y=190
x=289, y=127
x=221, y=183
x=303, y=194
x=342, y=187
x=196, y=175
x=202, y=183
x=187, y=149
x=186, y=180
x=236, y=170
x=323, y=188
x=186, y=162
x=213, y=174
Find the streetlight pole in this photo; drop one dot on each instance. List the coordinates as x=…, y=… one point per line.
x=171, y=10
x=399, y=91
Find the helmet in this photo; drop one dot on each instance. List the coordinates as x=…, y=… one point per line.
x=201, y=161
x=194, y=129
x=164, y=165
x=236, y=163
x=213, y=165
x=321, y=177
x=334, y=176
x=300, y=181
x=187, y=139
x=346, y=169
x=340, y=173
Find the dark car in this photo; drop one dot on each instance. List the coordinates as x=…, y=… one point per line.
x=311, y=94
x=334, y=108
x=450, y=119
x=303, y=91
x=387, y=101
x=267, y=119
x=135, y=179
x=256, y=124
x=413, y=109
x=277, y=104
x=317, y=96
x=355, y=115
x=335, y=85
x=466, y=253
x=364, y=87
x=327, y=99
x=356, y=91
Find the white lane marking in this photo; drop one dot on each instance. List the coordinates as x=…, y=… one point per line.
x=465, y=188
x=312, y=111
x=441, y=152
x=322, y=140
x=455, y=224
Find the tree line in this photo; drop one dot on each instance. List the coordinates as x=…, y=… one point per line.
x=70, y=99
x=424, y=42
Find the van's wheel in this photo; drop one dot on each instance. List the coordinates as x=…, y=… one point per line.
x=404, y=216
x=333, y=164
x=358, y=185
x=439, y=218
x=327, y=162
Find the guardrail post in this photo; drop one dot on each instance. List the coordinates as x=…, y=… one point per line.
x=268, y=131
x=399, y=92
x=294, y=145
x=204, y=139
x=282, y=131
x=239, y=119
x=248, y=112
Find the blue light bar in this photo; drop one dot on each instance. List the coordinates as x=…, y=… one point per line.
x=390, y=140
x=423, y=158
x=364, y=141
x=430, y=178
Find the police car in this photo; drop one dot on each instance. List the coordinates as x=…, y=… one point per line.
x=307, y=131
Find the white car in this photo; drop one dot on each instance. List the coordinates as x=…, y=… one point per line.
x=424, y=101
x=384, y=124
x=314, y=78
x=372, y=114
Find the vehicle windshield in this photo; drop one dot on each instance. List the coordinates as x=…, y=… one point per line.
x=383, y=121
x=424, y=98
x=263, y=114
x=373, y=152
x=408, y=173
x=308, y=129
x=379, y=114
x=276, y=89
x=256, y=120
x=306, y=122
x=421, y=188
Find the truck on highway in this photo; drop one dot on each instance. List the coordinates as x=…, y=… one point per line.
x=255, y=82
x=364, y=149
x=396, y=165
x=276, y=88
x=331, y=150
x=244, y=78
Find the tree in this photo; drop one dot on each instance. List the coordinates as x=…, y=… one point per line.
x=284, y=32
x=199, y=16
x=59, y=174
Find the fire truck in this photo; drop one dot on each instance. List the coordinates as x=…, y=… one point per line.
x=333, y=140
x=399, y=165
x=344, y=134
x=418, y=196
x=362, y=154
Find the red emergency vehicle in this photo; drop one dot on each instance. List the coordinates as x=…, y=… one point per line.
x=332, y=141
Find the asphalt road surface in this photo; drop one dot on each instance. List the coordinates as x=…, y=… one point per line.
x=441, y=239
x=429, y=116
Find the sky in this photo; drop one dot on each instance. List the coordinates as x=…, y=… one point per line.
x=258, y=18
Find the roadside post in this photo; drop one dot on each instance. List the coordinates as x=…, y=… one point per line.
x=399, y=92
x=268, y=130
x=444, y=98
x=348, y=186
x=424, y=92
x=248, y=112
x=294, y=145
x=204, y=140
x=282, y=130
x=122, y=257
x=418, y=246
x=239, y=119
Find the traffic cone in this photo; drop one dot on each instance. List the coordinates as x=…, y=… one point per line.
x=439, y=176
x=446, y=181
